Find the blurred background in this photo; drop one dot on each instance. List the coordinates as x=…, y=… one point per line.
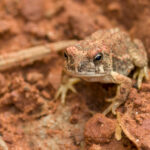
x=29, y=117
x=29, y=22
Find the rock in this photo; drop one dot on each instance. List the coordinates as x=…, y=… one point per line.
x=99, y=129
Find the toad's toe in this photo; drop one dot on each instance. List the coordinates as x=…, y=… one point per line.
x=140, y=74
x=64, y=88
x=112, y=107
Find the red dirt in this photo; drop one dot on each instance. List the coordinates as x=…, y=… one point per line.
x=136, y=120
x=29, y=117
x=97, y=131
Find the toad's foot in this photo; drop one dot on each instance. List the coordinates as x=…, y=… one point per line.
x=65, y=87
x=140, y=74
x=124, y=86
x=113, y=106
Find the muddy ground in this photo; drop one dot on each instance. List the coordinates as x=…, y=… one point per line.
x=30, y=119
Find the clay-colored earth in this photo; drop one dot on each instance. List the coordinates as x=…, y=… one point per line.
x=30, y=118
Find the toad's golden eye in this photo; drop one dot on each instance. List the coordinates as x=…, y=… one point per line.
x=98, y=57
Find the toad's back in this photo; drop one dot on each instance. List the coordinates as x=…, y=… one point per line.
x=119, y=45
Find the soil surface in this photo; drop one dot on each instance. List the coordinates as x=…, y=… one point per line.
x=30, y=118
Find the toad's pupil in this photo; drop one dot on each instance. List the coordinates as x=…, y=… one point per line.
x=65, y=55
x=98, y=57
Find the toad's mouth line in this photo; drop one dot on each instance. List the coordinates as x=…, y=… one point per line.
x=84, y=74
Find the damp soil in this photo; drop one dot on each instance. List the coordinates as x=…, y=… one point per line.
x=30, y=118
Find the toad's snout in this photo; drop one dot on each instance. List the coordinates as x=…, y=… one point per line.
x=78, y=61
x=85, y=66
x=79, y=66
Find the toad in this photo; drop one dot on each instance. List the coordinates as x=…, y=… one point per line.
x=107, y=56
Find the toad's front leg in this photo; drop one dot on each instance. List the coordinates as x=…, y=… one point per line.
x=124, y=85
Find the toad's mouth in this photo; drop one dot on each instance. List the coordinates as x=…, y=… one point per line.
x=84, y=74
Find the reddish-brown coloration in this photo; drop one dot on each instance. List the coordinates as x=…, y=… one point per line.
x=135, y=122
x=92, y=53
x=98, y=131
x=32, y=10
x=29, y=124
x=95, y=147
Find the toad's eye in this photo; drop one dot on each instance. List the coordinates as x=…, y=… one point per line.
x=65, y=55
x=98, y=57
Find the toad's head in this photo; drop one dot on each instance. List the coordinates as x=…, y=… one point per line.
x=88, y=59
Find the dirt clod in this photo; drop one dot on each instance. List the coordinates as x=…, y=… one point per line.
x=32, y=10
x=97, y=129
x=136, y=120
x=34, y=77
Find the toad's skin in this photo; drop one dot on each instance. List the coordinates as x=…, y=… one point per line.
x=108, y=56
